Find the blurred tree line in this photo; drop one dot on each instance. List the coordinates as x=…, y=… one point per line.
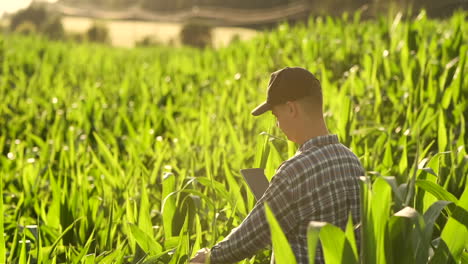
x=165, y=5
x=332, y=7
x=37, y=19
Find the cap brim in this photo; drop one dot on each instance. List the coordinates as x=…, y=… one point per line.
x=261, y=109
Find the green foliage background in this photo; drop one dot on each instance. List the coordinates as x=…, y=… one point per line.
x=122, y=155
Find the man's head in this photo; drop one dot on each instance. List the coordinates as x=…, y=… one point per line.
x=295, y=98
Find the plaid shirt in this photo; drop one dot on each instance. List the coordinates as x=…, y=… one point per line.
x=319, y=183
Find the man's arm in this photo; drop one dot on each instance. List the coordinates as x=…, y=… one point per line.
x=253, y=233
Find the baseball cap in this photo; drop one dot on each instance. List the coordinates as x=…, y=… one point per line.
x=288, y=84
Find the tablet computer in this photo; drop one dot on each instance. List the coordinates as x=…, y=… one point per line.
x=257, y=181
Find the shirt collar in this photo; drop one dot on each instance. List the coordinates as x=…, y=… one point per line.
x=319, y=141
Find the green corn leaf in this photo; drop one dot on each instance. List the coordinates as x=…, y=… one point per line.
x=403, y=165
x=431, y=215
x=111, y=159
x=129, y=210
x=464, y=258
x=430, y=171
x=336, y=247
x=447, y=97
x=23, y=253
x=388, y=159
x=102, y=167
x=53, y=214
x=281, y=247
x=436, y=190
x=218, y=186
x=455, y=233
x=198, y=236
x=368, y=240
x=144, y=217
x=442, y=253
x=168, y=208
x=234, y=188
x=40, y=252
x=65, y=232
x=292, y=148
x=110, y=223
x=398, y=193
x=274, y=160
x=14, y=245
x=381, y=201
x=154, y=259
x=117, y=254
x=434, y=163
x=345, y=118
x=442, y=132
x=2, y=238
x=424, y=242
x=84, y=251
x=89, y=259
x=145, y=241
x=262, y=151
x=182, y=251
x=350, y=235
x=313, y=232
x=402, y=236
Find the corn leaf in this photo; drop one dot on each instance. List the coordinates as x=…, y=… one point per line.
x=2, y=238
x=144, y=217
x=145, y=241
x=313, y=232
x=168, y=205
x=436, y=190
x=281, y=247
x=455, y=232
x=336, y=247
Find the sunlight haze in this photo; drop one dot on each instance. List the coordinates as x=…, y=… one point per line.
x=11, y=6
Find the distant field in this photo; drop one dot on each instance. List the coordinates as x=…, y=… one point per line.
x=125, y=33
x=116, y=155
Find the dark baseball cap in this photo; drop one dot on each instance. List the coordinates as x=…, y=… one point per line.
x=288, y=84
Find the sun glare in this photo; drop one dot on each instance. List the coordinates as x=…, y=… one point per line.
x=10, y=6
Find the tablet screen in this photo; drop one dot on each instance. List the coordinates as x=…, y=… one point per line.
x=256, y=180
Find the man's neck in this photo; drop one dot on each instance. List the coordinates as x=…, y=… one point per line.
x=311, y=130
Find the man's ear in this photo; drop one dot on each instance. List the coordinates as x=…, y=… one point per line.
x=293, y=108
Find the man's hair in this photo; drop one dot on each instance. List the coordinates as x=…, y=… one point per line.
x=313, y=101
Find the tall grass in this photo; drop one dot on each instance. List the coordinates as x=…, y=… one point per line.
x=133, y=155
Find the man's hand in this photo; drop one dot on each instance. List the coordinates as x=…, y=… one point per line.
x=202, y=257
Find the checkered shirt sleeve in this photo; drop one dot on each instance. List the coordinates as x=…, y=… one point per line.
x=254, y=234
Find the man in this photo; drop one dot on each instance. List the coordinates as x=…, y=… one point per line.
x=319, y=183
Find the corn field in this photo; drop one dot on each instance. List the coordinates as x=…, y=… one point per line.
x=111, y=155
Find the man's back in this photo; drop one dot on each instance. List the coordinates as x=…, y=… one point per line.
x=324, y=177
